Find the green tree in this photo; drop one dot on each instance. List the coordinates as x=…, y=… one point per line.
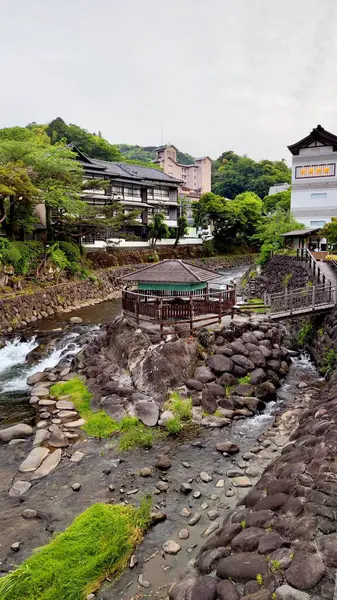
x=233, y=221
x=158, y=229
x=18, y=198
x=234, y=174
x=329, y=231
x=269, y=232
x=275, y=201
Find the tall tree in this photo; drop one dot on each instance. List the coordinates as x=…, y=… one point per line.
x=158, y=229
x=275, y=201
x=234, y=174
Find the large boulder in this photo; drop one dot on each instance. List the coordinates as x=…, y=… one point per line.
x=257, y=358
x=220, y=363
x=243, y=389
x=265, y=390
x=194, y=384
x=239, y=348
x=305, y=570
x=265, y=351
x=208, y=402
x=15, y=432
x=216, y=389
x=35, y=378
x=242, y=566
x=204, y=374
x=243, y=362
x=146, y=412
x=257, y=376
x=227, y=379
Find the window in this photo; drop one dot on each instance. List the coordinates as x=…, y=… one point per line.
x=318, y=196
x=308, y=171
x=161, y=193
x=317, y=223
x=132, y=191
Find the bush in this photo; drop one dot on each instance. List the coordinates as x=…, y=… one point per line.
x=305, y=334
x=22, y=256
x=173, y=426
x=265, y=253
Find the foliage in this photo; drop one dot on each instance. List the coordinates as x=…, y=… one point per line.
x=234, y=174
x=66, y=257
x=158, y=229
x=232, y=221
x=22, y=256
x=259, y=579
x=270, y=229
x=181, y=407
x=97, y=545
x=305, y=334
x=90, y=144
x=281, y=200
x=245, y=379
x=173, y=426
x=329, y=231
x=286, y=279
x=97, y=424
x=329, y=360
x=147, y=154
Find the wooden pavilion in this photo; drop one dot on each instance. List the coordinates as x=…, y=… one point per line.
x=173, y=292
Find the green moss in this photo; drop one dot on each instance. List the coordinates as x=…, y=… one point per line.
x=98, y=544
x=305, y=334
x=135, y=434
x=218, y=413
x=243, y=524
x=98, y=424
x=259, y=579
x=275, y=565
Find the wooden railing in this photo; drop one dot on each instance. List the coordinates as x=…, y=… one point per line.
x=197, y=310
x=310, y=298
x=303, y=254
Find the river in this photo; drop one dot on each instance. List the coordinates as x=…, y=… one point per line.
x=59, y=337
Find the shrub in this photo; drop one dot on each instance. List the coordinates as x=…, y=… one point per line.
x=265, y=253
x=305, y=334
x=97, y=545
x=135, y=434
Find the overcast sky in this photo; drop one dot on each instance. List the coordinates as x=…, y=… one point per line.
x=246, y=75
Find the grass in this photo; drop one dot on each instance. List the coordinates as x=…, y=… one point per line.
x=173, y=426
x=258, y=301
x=132, y=433
x=181, y=407
x=245, y=379
x=98, y=544
x=98, y=424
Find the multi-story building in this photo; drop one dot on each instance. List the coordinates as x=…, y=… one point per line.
x=145, y=189
x=195, y=179
x=314, y=178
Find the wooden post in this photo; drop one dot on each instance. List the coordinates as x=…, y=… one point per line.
x=291, y=302
x=191, y=315
x=220, y=297
x=161, y=319
x=313, y=297
x=137, y=309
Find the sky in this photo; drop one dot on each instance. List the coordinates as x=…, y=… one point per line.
x=251, y=76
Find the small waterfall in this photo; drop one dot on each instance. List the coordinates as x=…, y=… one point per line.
x=13, y=369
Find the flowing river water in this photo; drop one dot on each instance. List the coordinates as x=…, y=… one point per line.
x=57, y=338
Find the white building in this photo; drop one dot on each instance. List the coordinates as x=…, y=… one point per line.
x=314, y=178
x=278, y=187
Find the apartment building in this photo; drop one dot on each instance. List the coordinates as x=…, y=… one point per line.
x=195, y=179
x=137, y=188
x=314, y=178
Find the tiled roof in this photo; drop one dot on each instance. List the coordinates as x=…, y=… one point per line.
x=171, y=271
x=134, y=171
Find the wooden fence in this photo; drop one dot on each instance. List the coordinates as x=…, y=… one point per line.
x=170, y=310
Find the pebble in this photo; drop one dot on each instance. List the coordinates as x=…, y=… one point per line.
x=33, y=400
x=33, y=460
x=46, y=402
x=19, y=488
x=252, y=472
x=230, y=493
x=211, y=528
x=163, y=462
x=77, y=423
x=184, y=534
x=241, y=464
x=213, y=514
x=133, y=561
x=196, y=495
x=41, y=424
x=143, y=582
x=56, y=421
x=204, y=505
x=29, y=513
x=205, y=477
x=162, y=486
x=64, y=414
x=77, y=456
x=64, y=405
x=91, y=597
x=213, y=497
x=220, y=483
x=17, y=441
x=248, y=456
x=171, y=547
x=45, y=415
x=186, y=465
x=235, y=473
x=194, y=519
x=242, y=482
x=132, y=492
x=16, y=546
x=49, y=464
x=185, y=512
x=76, y=487
x=145, y=472
x=111, y=488
x=186, y=488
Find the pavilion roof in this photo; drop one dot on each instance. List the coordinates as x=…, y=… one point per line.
x=171, y=271
x=301, y=232
x=318, y=136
